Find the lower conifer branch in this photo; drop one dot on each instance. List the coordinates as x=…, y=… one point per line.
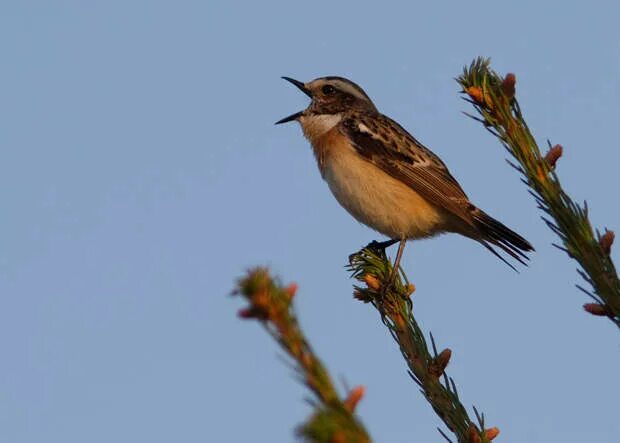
x=333, y=419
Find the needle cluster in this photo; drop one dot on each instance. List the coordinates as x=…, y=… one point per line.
x=498, y=110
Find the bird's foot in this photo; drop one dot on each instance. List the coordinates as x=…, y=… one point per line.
x=375, y=246
x=380, y=246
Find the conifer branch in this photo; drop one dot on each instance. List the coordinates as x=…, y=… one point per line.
x=494, y=99
x=426, y=367
x=333, y=419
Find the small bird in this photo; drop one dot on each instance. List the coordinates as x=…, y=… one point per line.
x=385, y=178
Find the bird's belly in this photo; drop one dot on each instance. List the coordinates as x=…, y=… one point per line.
x=378, y=200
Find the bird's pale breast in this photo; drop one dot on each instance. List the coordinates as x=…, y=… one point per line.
x=372, y=196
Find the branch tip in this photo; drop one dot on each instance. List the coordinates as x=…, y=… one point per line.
x=597, y=309
x=553, y=155
x=491, y=433
x=291, y=290
x=508, y=85
x=410, y=288
x=354, y=397
x=606, y=240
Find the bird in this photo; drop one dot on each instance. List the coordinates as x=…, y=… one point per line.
x=385, y=178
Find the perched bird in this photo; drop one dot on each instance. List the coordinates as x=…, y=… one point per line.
x=387, y=179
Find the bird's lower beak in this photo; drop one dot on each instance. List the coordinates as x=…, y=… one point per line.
x=302, y=88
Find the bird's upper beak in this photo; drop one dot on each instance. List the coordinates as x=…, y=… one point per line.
x=302, y=88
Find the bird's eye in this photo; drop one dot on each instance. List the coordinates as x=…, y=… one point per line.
x=328, y=90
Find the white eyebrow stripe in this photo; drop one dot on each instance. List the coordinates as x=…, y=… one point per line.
x=349, y=89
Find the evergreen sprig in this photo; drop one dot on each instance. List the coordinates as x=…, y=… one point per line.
x=333, y=419
x=494, y=99
x=427, y=368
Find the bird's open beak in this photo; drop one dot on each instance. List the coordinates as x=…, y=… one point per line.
x=300, y=85
x=303, y=89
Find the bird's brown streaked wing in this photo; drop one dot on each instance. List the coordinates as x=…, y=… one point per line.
x=387, y=145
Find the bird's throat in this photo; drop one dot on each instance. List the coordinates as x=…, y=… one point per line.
x=317, y=125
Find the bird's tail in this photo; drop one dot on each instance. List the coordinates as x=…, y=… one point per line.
x=494, y=233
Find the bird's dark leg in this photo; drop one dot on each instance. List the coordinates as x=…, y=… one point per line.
x=399, y=255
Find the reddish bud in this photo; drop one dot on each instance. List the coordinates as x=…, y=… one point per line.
x=508, y=85
x=355, y=395
x=606, y=240
x=553, y=155
x=291, y=290
x=338, y=437
x=410, y=289
x=491, y=433
x=439, y=363
x=596, y=309
x=476, y=94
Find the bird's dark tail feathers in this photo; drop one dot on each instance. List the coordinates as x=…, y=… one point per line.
x=496, y=234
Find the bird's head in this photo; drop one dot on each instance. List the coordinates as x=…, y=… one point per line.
x=331, y=96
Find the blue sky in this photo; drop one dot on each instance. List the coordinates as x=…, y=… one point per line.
x=141, y=173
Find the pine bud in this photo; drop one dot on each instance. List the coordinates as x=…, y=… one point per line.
x=553, y=155
x=290, y=290
x=439, y=363
x=476, y=94
x=508, y=85
x=491, y=433
x=355, y=395
x=596, y=309
x=606, y=240
x=410, y=289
